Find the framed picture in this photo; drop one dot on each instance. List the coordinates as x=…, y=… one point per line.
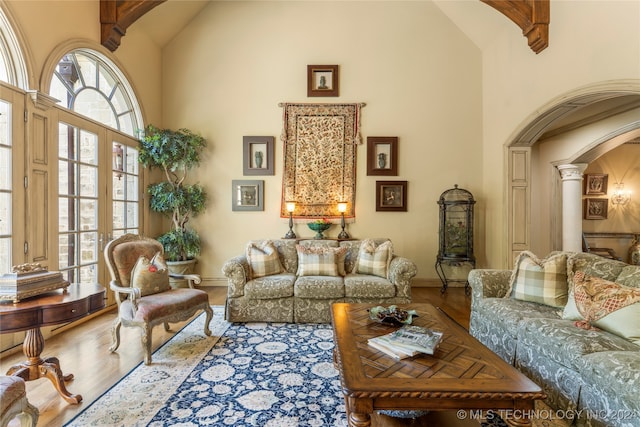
x=382, y=155
x=391, y=196
x=247, y=195
x=257, y=155
x=595, y=184
x=322, y=80
x=596, y=208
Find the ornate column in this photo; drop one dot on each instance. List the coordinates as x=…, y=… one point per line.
x=572, y=206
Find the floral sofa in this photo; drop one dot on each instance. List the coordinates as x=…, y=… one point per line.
x=571, y=323
x=290, y=280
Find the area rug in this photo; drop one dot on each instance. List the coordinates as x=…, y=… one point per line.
x=254, y=374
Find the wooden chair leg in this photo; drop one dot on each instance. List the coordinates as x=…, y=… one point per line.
x=146, y=343
x=209, y=312
x=115, y=333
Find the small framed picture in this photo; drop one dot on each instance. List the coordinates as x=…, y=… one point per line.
x=382, y=155
x=391, y=196
x=595, y=184
x=322, y=80
x=247, y=195
x=257, y=155
x=596, y=208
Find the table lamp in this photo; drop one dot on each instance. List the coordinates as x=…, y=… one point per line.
x=291, y=206
x=342, y=208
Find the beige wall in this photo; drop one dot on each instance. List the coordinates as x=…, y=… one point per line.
x=590, y=42
x=226, y=73
x=621, y=165
x=453, y=102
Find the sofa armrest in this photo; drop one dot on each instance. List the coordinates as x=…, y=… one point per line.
x=489, y=283
x=236, y=270
x=401, y=271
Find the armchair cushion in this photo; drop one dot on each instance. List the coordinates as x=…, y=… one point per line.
x=161, y=305
x=263, y=259
x=150, y=276
x=540, y=281
x=374, y=259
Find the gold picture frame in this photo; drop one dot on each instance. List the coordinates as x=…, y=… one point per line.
x=595, y=184
x=596, y=208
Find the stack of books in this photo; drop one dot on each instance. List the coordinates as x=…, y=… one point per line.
x=407, y=341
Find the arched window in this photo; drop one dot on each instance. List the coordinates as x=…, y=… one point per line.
x=13, y=68
x=90, y=84
x=86, y=82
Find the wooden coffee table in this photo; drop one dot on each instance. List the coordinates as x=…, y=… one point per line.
x=463, y=374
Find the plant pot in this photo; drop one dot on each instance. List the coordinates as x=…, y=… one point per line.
x=180, y=267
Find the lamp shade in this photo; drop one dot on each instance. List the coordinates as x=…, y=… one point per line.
x=291, y=206
x=342, y=207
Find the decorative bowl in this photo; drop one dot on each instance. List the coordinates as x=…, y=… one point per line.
x=392, y=315
x=319, y=228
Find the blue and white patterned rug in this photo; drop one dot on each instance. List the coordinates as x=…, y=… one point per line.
x=253, y=374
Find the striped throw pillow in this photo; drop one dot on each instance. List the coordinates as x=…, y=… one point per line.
x=263, y=259
x=543, y=281
x=374, y=259
x=316, y=261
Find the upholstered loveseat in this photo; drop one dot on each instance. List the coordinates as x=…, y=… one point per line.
x=549, y=319
x=290, y=280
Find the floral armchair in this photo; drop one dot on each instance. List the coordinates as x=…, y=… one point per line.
x=140, y=281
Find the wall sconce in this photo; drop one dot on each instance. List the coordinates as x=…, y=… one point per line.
x=342, y=208
x=291, y=206
x=118, y=159
x=620, y=196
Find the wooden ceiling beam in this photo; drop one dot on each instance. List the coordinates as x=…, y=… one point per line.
x=117, y=15
x=532, y=16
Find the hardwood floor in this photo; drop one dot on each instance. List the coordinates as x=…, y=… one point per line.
x=83, y=351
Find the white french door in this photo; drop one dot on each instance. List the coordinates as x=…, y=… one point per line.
x=99, y=195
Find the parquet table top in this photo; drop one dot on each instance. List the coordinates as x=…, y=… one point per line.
x=462, y=374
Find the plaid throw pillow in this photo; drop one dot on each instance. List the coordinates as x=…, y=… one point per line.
x=263, y=259
x=339, y=254
x=374, y=259
x=318, y=261
x=150, y=276
x=541, y=281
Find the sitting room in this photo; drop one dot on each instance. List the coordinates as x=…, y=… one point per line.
x=256, y=176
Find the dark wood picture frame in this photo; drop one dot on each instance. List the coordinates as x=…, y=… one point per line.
x=391, y=196
x=323, y=80
x=382, y=155
x=247, y=195
x=596, y=208
x=595, y=184
x=258, y=155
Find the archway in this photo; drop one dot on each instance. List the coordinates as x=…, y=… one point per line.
x=609, y=110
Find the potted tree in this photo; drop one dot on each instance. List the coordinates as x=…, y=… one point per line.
x=175, y=153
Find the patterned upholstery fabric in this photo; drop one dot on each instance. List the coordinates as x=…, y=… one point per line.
x=291, y=297
x=13, y=401
x=593, y=372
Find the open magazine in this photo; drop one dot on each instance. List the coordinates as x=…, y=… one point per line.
x=407, y=341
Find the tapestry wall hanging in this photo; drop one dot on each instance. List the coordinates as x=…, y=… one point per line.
x=320, y=142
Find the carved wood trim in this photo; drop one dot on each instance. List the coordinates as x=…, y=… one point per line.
x=532, y=16
x=117, y=15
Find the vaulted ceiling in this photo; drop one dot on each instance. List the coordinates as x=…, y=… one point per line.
x=532, y=16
